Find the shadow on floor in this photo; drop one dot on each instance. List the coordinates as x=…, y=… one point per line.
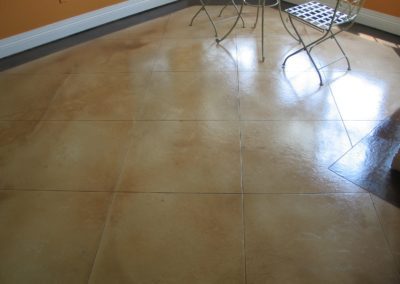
x=368, y=163
x=390, y=40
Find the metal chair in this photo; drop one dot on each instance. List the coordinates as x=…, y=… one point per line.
x=260, y=4
x=203, y=8
x=328, y=20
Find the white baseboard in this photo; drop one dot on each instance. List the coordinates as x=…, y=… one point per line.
x=380, y=21
x=371, y=18
x=52, y=32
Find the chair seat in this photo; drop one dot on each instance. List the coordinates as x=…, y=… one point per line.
x=317, y=15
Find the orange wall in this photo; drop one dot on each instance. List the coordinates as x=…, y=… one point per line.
x=390, y=7
x=17, y=16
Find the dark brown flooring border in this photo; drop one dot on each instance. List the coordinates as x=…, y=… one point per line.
x=368, y=164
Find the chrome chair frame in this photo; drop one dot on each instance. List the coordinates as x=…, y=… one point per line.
x=323, y=20
x=262, y=5
x=203, y=8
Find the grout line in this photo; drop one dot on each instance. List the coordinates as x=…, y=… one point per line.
x=340, y=114
x=121, y=120
x=385, y=235
x=53, y=98
x=110, y=207
x=164, y=32
x=67, y=77
x=244, y=239
x=241, y=161
x=174, y=120
x=184, y=193
x=106, y=221
x=114, y=192
x=147, y=88
x=242, y=200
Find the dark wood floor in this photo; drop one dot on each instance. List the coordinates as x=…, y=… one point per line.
x=368, y=164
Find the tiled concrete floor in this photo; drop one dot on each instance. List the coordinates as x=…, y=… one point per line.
x=153, y=155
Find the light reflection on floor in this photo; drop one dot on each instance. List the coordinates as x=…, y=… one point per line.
x=153, y=155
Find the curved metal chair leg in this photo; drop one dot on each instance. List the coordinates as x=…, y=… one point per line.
x=341, y=49
x=195, y=15
x=234, y=4
x=295, y=52
x=258, y=12
x=218, y=40
x=321, y=83
x=239, y=13
x=223, y=8
x=284, y=24
x=332, y=36
x=203, y=8
x=324, y=19
x=290, y=55
x=305, y=48
x=262, y=31
x=212, y=23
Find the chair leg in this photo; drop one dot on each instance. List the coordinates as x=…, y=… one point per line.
x=203, y=8
x=258, y=12
x=290, y=55
x=341, y=49
x=237, y=10
x=223, y=8
x=306, y=49
x=262, y=31
x=195, y=15
x=218, y=40
x=239, y=13
x=283, y=22
x=332, y=36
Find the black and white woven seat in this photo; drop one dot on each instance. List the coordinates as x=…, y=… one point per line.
x=323, y=18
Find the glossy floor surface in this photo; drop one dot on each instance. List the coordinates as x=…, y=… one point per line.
x=369, y=163
x=153, y=155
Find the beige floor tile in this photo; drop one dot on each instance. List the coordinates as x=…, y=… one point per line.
x=133, y=55
x=359, y=129
x=183, y=157
x=364, y=55
x=26, y=97
x=192, y=96
x=166, y=75
x=366, y=95
x=196, y=55
x=329, y=55
x=272, y=23
x=165, y=238
x=151, y=29
x=271, y=96
x=276, y=49
x=62, y=155
x=389, y=217
x=98, y=56
x=315, y=239
x=50, y=237
x=86, y=56
x=293, y=156
x=202, y=27
x=179, y=23
x=99, y=97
